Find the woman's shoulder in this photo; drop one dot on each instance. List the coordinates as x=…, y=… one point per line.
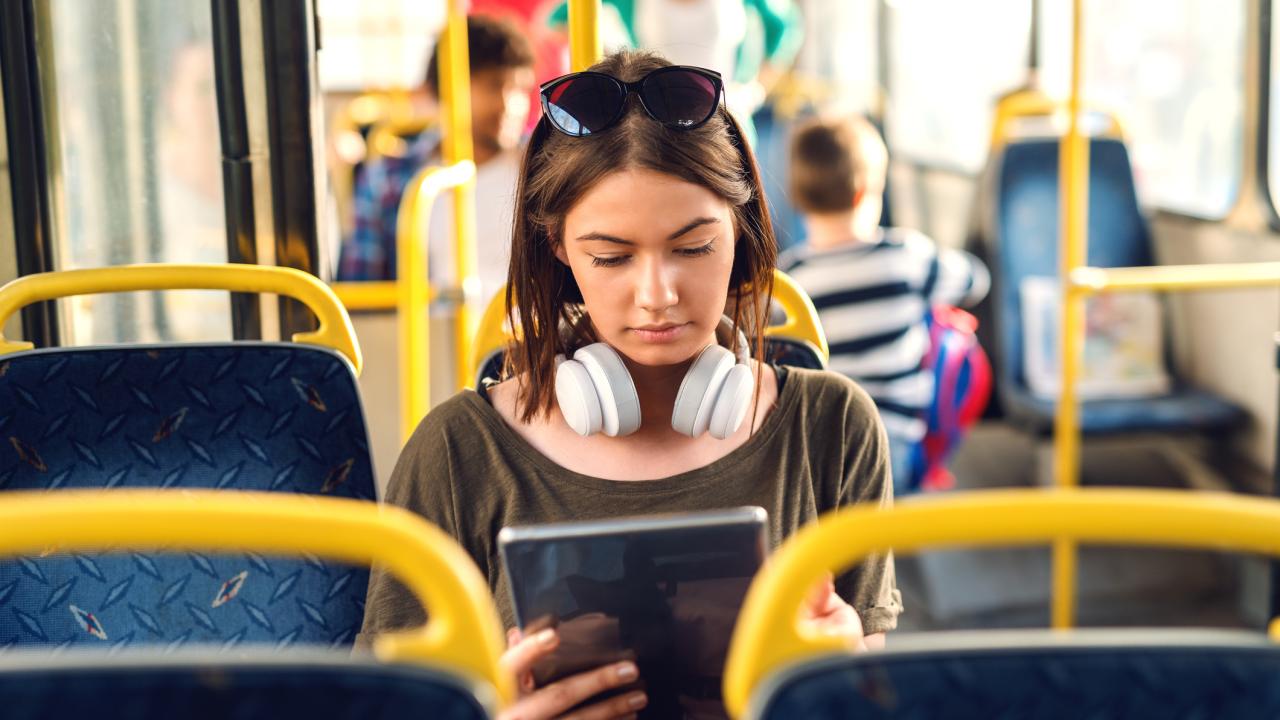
x=461, y=416
x=828, y=394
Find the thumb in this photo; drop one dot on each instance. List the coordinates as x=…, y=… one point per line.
x=820, y=595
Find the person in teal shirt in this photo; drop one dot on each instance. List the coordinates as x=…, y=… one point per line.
x=747, y=41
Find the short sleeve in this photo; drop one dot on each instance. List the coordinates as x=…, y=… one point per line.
x=871, y=587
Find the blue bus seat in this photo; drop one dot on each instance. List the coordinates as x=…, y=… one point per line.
x=1112, y=674
x=280, y=417
x=298, y=685
x=1026, y=233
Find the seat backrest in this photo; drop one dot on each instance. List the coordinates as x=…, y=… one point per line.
x=1181, y=675
x=447, y=668
x=1027, y=227
x=295, y=685
x=770, y=649
x=236, y=416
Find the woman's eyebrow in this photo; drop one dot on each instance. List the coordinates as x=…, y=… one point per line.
x=688, y=227
x=604, y=238
x=693, y=225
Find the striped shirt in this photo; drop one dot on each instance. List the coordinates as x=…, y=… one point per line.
x=872, y=299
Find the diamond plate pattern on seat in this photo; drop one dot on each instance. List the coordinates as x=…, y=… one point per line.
x=243, y=416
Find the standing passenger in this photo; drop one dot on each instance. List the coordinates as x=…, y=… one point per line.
x=872, y=287
x=637, y=221
x=501, y=78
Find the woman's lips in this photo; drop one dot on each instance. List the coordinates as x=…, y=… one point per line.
x=660, y=333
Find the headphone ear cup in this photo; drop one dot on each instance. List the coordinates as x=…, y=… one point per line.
x=619, y=402
x=577, y=397
x=696, y=398
x=732, y=403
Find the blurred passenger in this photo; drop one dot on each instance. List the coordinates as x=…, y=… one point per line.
x=873, y=287
x=501, y=77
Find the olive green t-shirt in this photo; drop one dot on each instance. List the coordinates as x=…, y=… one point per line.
x=821, y=448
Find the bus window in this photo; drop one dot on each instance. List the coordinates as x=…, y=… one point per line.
x=841, y=49
x=1273, y=116
x=376, y=45
x=949, y=61
x=135, y=161
x=1174, y=73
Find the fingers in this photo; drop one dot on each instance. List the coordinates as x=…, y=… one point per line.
x=520, y=657
x=558, y=697
x=822, y=596
x=618, y=708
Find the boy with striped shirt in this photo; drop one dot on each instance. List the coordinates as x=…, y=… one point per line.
x=872, y=286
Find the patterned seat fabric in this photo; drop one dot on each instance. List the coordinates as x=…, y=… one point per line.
x=244, y=416
x=1224, y=683
x=237, y=691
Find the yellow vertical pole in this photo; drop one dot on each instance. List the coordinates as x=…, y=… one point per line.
x=455, y=91
x=584, y=34
x=413, y=292
x=1073, y=183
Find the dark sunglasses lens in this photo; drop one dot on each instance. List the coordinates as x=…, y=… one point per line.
x=680, y=97
x=584, y=104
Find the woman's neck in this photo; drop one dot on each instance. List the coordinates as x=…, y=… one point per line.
x=657, y=387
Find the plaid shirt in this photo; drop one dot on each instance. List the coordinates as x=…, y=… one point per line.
x=370, y=252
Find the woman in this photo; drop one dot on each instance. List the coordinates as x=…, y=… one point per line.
x=639, y=218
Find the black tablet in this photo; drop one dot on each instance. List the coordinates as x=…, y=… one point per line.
x=663, y=591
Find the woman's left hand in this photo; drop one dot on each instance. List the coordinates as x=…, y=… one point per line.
x=826, y=613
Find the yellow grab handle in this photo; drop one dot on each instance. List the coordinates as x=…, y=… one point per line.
x=335, y=325
x=767, y=637
x=413, y=286
x=802, y=317
x=463, y=630
x=492, y=333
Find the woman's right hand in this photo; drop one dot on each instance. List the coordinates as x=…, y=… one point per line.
x=558, y=697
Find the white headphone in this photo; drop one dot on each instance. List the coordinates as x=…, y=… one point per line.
x=597, y=394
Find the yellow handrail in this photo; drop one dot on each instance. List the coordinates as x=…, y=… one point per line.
x=463, y=630
x=455, y=86
x=335, y=329
x=767, y=637
x=1081, y=282
x=493, y=333
x=584, y=34
x=1074, y=189
x=370, y=295
x=1091, y=280
x=802, y=317
x=1035, y=103
x=387, y=139
x=413, y=289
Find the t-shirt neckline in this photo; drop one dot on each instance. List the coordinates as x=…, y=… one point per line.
x=787, y=399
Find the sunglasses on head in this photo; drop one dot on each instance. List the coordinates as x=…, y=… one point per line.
x=678, y=96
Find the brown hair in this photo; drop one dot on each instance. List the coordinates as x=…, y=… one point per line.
x=491, y=43
x=833, y=160
x=557, y=170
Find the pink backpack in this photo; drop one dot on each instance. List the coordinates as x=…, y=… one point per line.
x=962, y=388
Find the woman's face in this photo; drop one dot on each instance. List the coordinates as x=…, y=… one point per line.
x=652, y=255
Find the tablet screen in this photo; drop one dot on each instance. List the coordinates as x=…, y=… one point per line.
x=664, y=592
